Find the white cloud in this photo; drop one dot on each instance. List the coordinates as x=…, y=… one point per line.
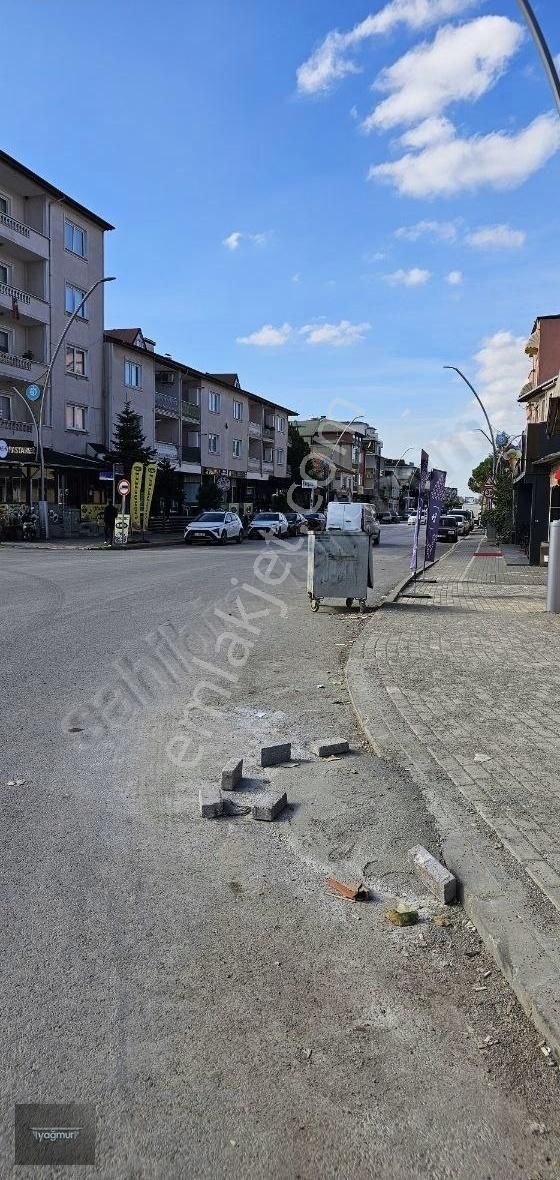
x=296, y=278
x=496, y=236
x=499, y=160
x=233, y=241
x=332, y=60
x=443, y=231
x=436, y=129
x=460, y=64
x=267, y=336
x=454, y=278
x=339, y=335
x=415, y=277
x=502, y=370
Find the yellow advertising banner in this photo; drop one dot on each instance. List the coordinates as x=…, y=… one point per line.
x=136, y=473
x=149, y=485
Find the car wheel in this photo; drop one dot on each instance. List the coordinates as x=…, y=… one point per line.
x=223, y=537
x=377, y=539
x=239, y=537
x=188, y=540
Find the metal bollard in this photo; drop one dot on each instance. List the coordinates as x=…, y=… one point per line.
x=553, y=584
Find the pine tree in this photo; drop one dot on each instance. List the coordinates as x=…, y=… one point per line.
x=168, y=485
x=298, y=448
x=129, y=443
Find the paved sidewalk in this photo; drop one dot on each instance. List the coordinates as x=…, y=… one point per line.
x=461, y=686
x=154, y=541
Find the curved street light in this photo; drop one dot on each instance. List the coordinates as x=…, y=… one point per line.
x=483, y=408
x=545, y=54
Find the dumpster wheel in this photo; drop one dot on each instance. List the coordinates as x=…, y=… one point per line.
x=314, y=604
x=349, y=602
x=362, y=606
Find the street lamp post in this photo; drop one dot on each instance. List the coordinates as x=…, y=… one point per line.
x=483, y=408
x=544, y=51
x=43, y=511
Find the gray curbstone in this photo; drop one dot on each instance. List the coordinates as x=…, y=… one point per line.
x=269, y=806
x=327, y=749
x=232, y=774
x=274, y=755
x=210, y=802
x=440, y=882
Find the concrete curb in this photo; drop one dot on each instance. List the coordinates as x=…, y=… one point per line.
x=498, y=902
x=410, y=578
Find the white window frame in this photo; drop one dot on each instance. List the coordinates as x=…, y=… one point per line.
x=279, y=456
x=270, y=451
x=133, y=365
x=238, y=417
x=5, y=397
x=6, y=211
x=10, y=347
x=76, y=291
x=75, y=227
x=83, y=411
x=217, y=397
x=74, y=348
x=237, y=448
x=6, y=266
x=213, y=444
x=280, y=424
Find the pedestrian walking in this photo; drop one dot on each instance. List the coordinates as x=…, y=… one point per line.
x=109, y=518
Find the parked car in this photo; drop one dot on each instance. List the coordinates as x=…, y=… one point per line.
x=295, y=521
x=353, y=518
x=215, y=526
x=386, y=518
x=412, y=518
x=315, y=521
x=264, y=524
x=447, y=529
x=463, y=523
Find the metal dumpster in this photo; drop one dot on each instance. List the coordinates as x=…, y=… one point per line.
x=337, y=567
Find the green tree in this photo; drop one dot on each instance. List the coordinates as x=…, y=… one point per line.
x=298, y=448
x=129, y=443
x=208, y=495
x=481, y=474
x=168, y=485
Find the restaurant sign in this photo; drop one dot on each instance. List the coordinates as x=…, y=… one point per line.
x=12, y=451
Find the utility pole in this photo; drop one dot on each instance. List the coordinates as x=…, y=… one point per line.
x=545, y=54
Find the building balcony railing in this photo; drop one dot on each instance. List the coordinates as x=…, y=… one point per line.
x=253, y=464
x=28, y=240
x=15, y=293
x=268, y=431
x=190, y=412
x=11, y=223
x=255, y=429
x=10, y=426
x=167, y=450
x=17, y=362
x=167, y=403
x=190, y=454
x=268, y=465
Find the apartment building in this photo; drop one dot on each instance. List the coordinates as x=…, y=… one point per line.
x=51, y=253
x=353, y=452
x=536, y=491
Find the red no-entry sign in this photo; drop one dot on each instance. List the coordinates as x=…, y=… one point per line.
x=123, y=487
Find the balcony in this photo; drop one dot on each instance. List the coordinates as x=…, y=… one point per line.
x=30, y=307
x=267, y=465
x=253, y=464
x=15, y=362
x=29, y=241
x=12, y=426
x=268, y=431
x=167, y=404
x=190, y=412
x=190, y=454
x=166, y=450
x=255, y=429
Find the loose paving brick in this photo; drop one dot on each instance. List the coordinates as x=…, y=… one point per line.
x=269, y=806
x=433, y=875
x=232, y=774
x=328, y=749
x=210, y=802
x=275, y=755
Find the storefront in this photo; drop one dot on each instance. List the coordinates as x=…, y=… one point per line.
x=72, y=485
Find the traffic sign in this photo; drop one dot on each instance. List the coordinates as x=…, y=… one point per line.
x=309, y=483
x=123, y=487
x=33, y=392
x=4, y=449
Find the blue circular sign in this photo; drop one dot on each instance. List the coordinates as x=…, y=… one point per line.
x=33, y=392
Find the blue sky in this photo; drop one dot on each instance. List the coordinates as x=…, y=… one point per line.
x=231, y=142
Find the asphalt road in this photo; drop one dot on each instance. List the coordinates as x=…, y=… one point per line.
x=195, y=979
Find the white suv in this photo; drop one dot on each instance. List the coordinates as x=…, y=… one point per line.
x=215, y=526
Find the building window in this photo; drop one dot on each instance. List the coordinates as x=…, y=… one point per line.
x=75, y=239
x=132, y=375
x=281, y=424
x=4, y=341
x=237, y=448
x=280, y=457
x=213, y=444
x=73, y=298
x=4, y=204
x=268, y=455
x=214, y=400
x=5, y=408
x=238, y=411
x=76, y=360
x=75, y=417
x=4, y=273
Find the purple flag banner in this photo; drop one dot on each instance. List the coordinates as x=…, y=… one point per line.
x=437, y=488
x=421, y=488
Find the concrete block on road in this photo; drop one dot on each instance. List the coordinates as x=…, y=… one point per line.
x=275, y=755
x=269, y=806
x=210, y=802
x=433, y=875
x=232, y=774
x=328, y=749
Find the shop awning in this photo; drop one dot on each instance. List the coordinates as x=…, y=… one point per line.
x=76, y=462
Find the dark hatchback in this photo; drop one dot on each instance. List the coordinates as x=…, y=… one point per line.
x=447, y=529
x=316, y=522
